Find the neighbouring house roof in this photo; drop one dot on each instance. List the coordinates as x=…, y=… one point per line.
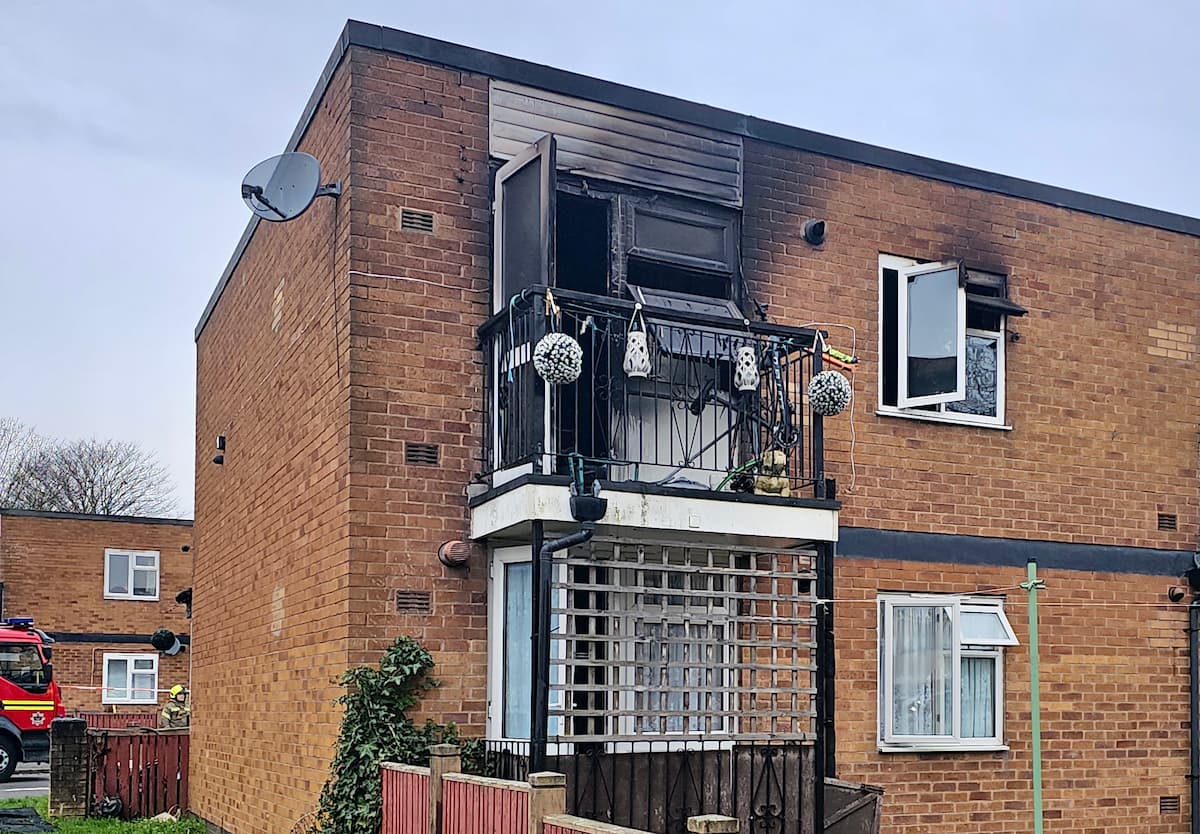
x=114, y=519
x=501, y=67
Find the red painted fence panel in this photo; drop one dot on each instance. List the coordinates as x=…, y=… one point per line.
x=405, y=799
x=101, y=720
x=145, y=770
x=475, y=805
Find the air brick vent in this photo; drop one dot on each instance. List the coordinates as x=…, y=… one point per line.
x=412, y=220
x=422, y=454
x=413, y=602
x=1168, y=521
x=1168, y=805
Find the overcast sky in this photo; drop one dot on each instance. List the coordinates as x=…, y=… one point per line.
x=126, y=127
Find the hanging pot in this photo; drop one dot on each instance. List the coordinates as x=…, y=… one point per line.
x=829, y=393
x=745, y=371
x=637, y=348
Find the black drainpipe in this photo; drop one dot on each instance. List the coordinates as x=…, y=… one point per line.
x=540, y=710
x=1194, y=713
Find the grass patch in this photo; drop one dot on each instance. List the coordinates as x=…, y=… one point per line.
x=187, y=825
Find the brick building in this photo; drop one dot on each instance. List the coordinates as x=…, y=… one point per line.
x=1025, y=388
x=100, y=585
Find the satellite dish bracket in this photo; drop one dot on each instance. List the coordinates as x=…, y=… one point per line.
x=329, y=189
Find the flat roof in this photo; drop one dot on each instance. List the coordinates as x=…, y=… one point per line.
x=114, y=519
x=505, y=68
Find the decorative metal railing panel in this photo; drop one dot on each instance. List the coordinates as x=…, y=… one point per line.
x=713, y=404
x=678, y=641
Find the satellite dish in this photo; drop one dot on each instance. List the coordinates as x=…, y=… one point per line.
x=283, y=187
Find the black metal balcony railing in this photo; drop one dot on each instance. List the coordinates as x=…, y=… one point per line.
x=686, y=423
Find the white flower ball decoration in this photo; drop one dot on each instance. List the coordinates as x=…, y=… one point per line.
x=829, y=393
x=558, y=358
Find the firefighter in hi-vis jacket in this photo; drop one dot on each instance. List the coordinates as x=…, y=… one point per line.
x=176, y=714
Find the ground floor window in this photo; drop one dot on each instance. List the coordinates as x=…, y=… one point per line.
x=941, y=676
x=130, y=679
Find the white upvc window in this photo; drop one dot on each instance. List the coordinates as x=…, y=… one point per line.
x=942, y=334
x=941, y=672
x=130, y=679
x=131, y=574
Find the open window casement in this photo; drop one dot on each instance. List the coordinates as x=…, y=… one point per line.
x=523, y=255
x=932, y=335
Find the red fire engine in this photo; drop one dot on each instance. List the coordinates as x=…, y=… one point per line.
x=29, y=697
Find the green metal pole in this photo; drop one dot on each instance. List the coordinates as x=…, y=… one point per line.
x=1035, y=707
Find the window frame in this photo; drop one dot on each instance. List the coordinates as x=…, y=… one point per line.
x=903, y=399
x=889, y=741
x=133, y=568
x=942, y=415
x=129, y=658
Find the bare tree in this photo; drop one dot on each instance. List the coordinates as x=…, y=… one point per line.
x=18, y=442
x=102, y=477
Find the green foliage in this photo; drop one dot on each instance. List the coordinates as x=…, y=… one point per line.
x=186, y=825
x=377, y=729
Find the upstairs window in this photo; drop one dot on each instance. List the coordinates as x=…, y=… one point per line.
x=941, y=672
x=131, y=574
x=942, y=330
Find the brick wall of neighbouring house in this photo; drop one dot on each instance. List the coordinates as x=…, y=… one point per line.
x=272, y=546
x=420, y=139
x=1113, y=663
x=52, y=568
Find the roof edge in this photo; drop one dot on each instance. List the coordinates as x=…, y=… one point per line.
x=115, y=519
x=470, y=59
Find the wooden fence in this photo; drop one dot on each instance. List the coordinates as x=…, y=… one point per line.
x=405, y=799
x=146, y=771
x=478, y=805
x=102, y=720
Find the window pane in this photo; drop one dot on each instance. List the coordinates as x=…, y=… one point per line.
x=978, y=697
x=518, y=631
x=140, y=665
x=922, y=643
x=144, y=686
x=933, y=333
x=118, y=573
x=981, y=377
x=117, y=678
x=145, y=583
x=145, y=561
x=981, y=626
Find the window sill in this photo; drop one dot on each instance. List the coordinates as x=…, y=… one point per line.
x=932, y=417
x=131, y=597
x=127, y=703
x=942, y=748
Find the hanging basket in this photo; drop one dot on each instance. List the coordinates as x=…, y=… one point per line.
x=558, y=358
x=829, y=393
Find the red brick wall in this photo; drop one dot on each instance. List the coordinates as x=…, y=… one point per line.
x=1104, y=431
x=272, y=627
x=1113, y=663
x=420, y=142
x=53, y=571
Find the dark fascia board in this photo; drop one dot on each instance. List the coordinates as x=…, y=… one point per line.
x=945, y=548
x=113, y=519
x=469, y=59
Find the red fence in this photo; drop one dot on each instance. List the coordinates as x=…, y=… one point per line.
x=147, y=772
x=405, y=799
x=101, y=720
x=476, y=805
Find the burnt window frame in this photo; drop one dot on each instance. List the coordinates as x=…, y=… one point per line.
x=986, y=295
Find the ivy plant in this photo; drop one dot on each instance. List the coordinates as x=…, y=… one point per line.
x=376, y=729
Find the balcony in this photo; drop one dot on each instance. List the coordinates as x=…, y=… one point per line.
x=709, y=434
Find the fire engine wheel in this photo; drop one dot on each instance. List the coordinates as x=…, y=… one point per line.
x=8, y=757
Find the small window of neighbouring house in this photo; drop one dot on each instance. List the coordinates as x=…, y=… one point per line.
x=941, y=672
x=131, y=574
x=942, y=330
x=130, y=679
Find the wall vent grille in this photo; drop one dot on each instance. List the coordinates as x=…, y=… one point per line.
x=1168, y=521
x=422, y=454
x=414, y=602
x=416, y=221
x=1168, y=805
